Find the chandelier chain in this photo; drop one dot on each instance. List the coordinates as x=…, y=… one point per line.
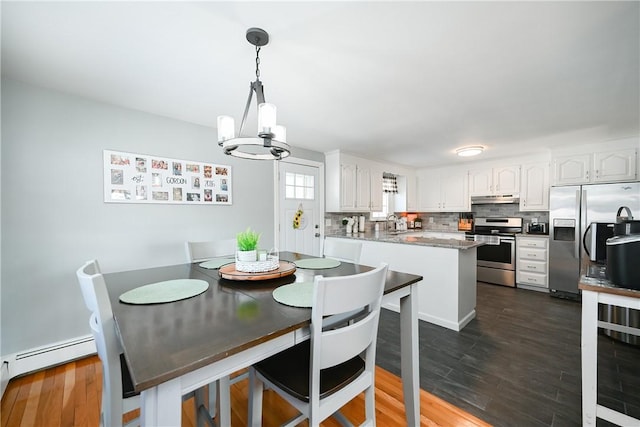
x=257, y=63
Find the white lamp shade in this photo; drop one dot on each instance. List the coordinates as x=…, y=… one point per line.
x=226, y=126
x=266, y=118
x=280, y=133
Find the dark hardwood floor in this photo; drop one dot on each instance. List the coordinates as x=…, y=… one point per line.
x=518, y=362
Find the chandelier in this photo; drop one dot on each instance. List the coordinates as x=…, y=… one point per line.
x=271, y=140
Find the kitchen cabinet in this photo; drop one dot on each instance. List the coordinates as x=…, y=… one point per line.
x=596, y=167
x=494, y=181
x=534, y=187
x=532, y=261
x=352, y=184
x=405, y=199
x=443, y=190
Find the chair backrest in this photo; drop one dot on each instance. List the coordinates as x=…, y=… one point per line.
x=202, y=251
x=96, y=297
x=339, y=295
x=343, y=250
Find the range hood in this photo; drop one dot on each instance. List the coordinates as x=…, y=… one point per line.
x=490, y=200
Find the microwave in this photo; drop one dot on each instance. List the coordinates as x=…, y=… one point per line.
x=595, y=240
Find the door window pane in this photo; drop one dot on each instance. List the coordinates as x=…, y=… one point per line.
x=299, y=186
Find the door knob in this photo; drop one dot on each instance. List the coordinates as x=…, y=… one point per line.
x=317, y=234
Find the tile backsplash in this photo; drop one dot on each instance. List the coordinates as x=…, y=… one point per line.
x=444, y=221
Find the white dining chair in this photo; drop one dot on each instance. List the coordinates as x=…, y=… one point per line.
x=321, y=375
x=118, y=395
x=343, y=250
x=202, y=251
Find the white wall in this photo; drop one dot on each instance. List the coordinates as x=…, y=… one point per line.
x=54, y=218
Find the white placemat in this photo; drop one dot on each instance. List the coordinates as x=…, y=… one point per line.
x=299, y=294
x=216, y=263
x=168, y=291
x=317, y=263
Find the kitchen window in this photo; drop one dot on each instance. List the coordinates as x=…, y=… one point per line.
x=299, y=186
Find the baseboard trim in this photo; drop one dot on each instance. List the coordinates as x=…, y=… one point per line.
x=43, y=357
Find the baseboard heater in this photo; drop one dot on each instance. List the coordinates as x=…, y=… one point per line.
x=44, y=357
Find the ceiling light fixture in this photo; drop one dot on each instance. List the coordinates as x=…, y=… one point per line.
x=271, y=142
x=472, y=150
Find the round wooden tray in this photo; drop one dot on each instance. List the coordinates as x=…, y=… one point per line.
x=229, y=272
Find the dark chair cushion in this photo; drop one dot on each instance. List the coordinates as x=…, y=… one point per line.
x=290, y=369
x=127, y=383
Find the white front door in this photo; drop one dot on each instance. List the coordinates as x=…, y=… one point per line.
x=300, y=216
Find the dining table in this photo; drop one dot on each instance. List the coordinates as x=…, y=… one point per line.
x=173, y=348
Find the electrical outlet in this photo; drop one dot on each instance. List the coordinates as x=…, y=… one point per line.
x=327, y=222
x=430, y=220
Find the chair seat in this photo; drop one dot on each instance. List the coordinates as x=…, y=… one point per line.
x=127, y=382
x=289, y=370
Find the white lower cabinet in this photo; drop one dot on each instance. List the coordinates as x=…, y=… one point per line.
x=532, y=262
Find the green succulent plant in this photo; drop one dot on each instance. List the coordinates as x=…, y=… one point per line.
x=247, y=240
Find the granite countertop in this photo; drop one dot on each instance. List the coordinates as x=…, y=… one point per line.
x=593, y=278
x=409, y=239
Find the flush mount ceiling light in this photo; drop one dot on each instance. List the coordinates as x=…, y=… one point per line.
x=472, y=150
x=271, y=140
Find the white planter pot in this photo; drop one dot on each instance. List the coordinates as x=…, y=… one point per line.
x=247, y=256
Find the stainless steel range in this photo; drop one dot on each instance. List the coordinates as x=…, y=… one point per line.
x=497, y=258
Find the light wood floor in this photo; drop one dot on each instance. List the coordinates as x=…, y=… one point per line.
x=69, y=395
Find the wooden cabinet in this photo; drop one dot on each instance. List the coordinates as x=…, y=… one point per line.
x=443, y=190
x=534, y=187
x=495, y=181
x=603, y=166
x=352, y=184
x=532, y=261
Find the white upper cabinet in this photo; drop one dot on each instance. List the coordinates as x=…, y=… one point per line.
x=495, y=181
x=443, y=190
x=375, y=203
x=352, y=184
x=611, y=166
x=603, y=166
x=534, y=187
x=347, y=187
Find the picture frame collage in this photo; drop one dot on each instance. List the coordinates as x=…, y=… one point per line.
x=141, y=178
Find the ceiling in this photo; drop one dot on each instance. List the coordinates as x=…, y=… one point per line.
x=404, y=82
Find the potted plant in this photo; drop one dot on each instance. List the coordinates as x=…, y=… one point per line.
x=247, y=245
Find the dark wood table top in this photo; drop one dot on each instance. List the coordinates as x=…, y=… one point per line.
x=165, y=341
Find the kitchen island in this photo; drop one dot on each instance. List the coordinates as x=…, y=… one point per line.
x=597, y=289
x=447, y=293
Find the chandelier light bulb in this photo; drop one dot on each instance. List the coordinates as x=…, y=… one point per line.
x=226, y=130
x=266, y=118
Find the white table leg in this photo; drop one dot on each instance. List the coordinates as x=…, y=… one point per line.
x=409, y=351
x=589, y=350
x=161, y=405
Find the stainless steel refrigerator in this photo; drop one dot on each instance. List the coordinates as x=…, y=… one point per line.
x=571, y=210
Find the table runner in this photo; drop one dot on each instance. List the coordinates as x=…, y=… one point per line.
x=168, y=291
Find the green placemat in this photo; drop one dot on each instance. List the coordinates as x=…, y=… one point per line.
x=317, y=263
x=299, y=294
x=169, y=291
x=216, y=263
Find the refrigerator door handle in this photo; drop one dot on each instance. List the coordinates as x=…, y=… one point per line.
x=580, y=208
